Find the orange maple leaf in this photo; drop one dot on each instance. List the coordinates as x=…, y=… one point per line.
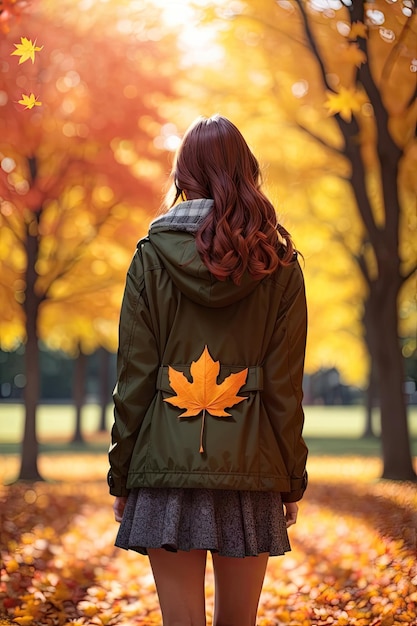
x=204, y=394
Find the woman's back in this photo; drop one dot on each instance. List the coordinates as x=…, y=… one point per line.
x=207, y=439
x=243, y=327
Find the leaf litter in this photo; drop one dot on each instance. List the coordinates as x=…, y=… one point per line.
x=353, y=559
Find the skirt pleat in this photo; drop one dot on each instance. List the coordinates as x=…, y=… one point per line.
x=229, y=523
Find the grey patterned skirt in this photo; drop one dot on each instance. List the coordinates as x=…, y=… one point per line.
x=229, y=523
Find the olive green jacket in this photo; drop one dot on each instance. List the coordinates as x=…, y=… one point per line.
x=172, y=309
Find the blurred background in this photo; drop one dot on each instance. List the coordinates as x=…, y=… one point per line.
x=325, y=93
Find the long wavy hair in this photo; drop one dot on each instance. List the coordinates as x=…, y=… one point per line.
x=241, y=233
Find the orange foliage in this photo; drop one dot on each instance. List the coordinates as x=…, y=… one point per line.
x=11, y=10
x=81, y=175
x=353, y=558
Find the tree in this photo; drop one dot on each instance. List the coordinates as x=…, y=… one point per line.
x=385, y=273
x=105, y=387
x=9, y=11
x=79, y=392
x=338, y=82
x=80, y=176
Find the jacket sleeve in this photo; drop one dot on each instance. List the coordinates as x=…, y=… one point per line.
x=283, y=394
x=137, y=367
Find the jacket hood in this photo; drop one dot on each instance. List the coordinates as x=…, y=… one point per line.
x=173, y=237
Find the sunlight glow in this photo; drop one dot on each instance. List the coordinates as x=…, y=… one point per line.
x=196, y=40
x=7, y=164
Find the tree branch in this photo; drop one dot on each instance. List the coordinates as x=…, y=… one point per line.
x=409, y=274
x=412, y=99
x=357, y=257
x=87, y=291
x=389, y=154
x=267, y=26
x=319, y=139
x=350, y=132
x=396, y=50
x=312, y=42
x=77, y=252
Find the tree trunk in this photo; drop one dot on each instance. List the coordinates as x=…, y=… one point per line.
x=382, y=315
x=385, y=286
x=368, y=431
x=371, y=391
x=79, y=395
x=104, y=386
x=30, y=446
x=396, y=450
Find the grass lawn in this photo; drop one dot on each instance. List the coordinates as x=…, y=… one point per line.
x=328, y=430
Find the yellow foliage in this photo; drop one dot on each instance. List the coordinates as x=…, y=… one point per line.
x=268, y=65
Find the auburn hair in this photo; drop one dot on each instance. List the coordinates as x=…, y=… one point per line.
x=241, y=233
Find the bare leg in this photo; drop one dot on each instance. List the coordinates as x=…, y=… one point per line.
x=238, y=586
x=179, y=578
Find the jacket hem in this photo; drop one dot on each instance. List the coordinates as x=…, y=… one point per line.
x=225, y=480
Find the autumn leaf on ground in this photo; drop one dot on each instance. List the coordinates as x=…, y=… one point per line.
x=204, y=394
x=347, y=567
x=29, y=101
x=345, y=102
x=26, y=50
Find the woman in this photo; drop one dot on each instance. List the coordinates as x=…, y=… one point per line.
x=207, y=446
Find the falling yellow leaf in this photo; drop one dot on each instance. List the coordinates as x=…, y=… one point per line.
x=351, y=53
x=358, y=29
x=204, y=394
x=26, y=50
x=345, y=102
x=29, y=101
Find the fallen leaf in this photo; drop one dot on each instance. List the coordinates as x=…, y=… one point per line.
x=350, y=564
x=25, y=620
